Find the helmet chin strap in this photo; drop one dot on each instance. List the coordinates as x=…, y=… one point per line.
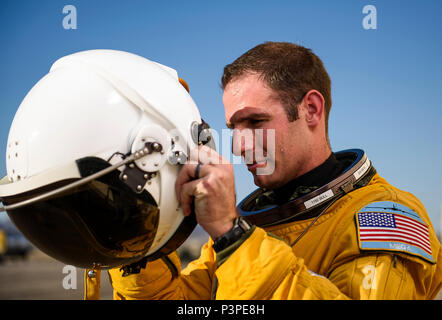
x=146, y=150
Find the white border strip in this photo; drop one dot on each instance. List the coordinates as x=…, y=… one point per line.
x=319, y=198
x=360, y=172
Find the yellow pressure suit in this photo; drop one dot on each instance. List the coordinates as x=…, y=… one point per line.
x=332, y=260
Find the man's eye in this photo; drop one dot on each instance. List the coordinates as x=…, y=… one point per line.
x=256, y=121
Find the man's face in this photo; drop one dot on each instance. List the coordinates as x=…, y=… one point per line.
x=250, y=105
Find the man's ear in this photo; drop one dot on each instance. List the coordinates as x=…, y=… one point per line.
x=313, y=103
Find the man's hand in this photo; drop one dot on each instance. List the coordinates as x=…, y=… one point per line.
x=213, y=191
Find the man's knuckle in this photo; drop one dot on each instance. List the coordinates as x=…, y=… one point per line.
x=207, y=183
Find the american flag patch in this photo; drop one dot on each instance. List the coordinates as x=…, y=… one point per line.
x=389, y=225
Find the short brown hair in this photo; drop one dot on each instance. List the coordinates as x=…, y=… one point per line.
x=289, y=69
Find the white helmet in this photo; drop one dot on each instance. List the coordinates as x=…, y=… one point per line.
x=92, y=158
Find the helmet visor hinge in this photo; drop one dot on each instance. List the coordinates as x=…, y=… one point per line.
x=202, y=134
x=133, y=176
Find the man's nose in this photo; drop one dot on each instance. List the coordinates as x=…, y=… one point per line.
x=242, y=141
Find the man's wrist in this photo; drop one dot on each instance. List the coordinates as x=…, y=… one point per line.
x=240, y=226
x=222, y=230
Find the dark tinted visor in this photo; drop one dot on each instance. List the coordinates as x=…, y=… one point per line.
x=103, y=223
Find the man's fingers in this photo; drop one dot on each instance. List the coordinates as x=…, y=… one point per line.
x=187, y=193
x=187, y=174
x=201, y=161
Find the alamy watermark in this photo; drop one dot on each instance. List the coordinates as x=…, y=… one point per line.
x=369, y=22
x=70, y=280
x=70, y=19
x=254, y=147
x=369, y=281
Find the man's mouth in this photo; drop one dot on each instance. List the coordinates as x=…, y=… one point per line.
x=255, y=165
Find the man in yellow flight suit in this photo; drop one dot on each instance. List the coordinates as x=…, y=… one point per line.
x=372, y=242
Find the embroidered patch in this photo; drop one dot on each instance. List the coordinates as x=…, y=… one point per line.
x=391, y=226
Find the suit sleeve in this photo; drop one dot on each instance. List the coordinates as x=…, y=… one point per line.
x=261, y=267
x=162, y=279
x=387, y=276
x=265, y=267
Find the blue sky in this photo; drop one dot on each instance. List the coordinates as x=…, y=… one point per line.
x=386, y=83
